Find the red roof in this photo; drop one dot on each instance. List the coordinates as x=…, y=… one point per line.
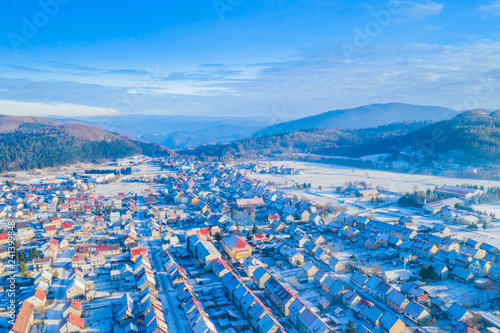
x=53, y=248
x=274, y=217
x=50, y=228
x=79, y=272
x=75, y=304
x=235, y=242
x=40, y=294
x=102, y=248
x=204, y=232
x=23, y=317
x=138, y=252
x=67, y=225
x=54, y=241
x=4, y=236
x=56, y=219
x=74, y=319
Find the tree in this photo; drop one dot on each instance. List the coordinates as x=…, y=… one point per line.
x=255, y=229
x=485, y=225
x=22, y=268
x=218, y=236
x=426, y=272
x=350, y=327
x=22, y=256
x=249, y=235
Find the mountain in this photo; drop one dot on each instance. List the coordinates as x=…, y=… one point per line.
x=469, y=137
x=303, y=141
x=362, y=117
x=32, y=142
x=175, y=131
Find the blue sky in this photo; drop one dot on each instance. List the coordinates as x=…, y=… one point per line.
x=280, y=59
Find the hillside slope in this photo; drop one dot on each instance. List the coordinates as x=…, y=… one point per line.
x=304, y=141
x=31, y=142
x=362, y=117
x=469, y=137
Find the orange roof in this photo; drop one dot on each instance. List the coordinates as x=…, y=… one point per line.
x=75, y=304
x=40, y=294
x=23, y=320
x=53, y=241
x=74, y=319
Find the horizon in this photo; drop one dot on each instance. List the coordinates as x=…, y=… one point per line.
x=62, y=58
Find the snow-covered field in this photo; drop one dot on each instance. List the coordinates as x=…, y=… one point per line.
x=329, y=176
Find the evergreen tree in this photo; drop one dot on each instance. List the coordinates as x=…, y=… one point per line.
x=350, y=327
x=22, y=268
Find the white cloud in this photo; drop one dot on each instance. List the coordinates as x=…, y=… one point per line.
x=418, y=10
x=492, y=9
x=15, y=108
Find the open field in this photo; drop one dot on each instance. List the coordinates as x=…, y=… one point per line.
x=329, y=176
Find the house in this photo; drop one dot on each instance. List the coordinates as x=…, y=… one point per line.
x=397, y=301
x=74, y=307
x=50, y=252
x=458, y=313
x=467, y=220
x=309, y=269
x=97, y=260
x=236, y=247
x=206, y=253
x=72, y=323
x=42, y=264
x=441, y=270
x=260, y=277
x=75, y=288
x=417, y=313
x=391, y=323
x=251, y=264
x=480, y=268
x=37, y=297
x=359, y=280
x=462, y=327
x=350, y=299
x=336, y=265
x=24, y=318
x=461, y=275
x=382, y=291
x=402, y=275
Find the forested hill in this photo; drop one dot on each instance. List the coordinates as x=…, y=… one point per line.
x=469, y=137
x=303, y=141
x=31, y=142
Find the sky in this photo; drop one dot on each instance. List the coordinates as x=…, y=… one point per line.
x=262, y=58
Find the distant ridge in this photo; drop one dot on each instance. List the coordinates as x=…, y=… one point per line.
x=362, y=117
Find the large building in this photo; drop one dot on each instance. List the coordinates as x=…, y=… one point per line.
x=463, y=193
x=436, y=206
x=236, y=247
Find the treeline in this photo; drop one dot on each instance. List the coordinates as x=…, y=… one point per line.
x=122, y=171
x=418, y=199
x=310, y=141
x=36, y=147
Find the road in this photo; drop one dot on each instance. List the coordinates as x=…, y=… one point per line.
x=171, y=309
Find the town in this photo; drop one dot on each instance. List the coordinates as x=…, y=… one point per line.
x=175, y=245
